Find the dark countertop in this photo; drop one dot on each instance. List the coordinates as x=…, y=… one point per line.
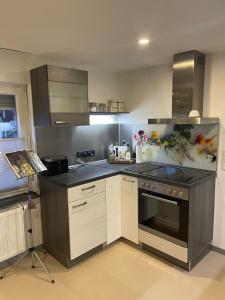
x=103, y=170
x=82, y=175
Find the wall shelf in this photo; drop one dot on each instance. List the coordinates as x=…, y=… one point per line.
x=108, y=113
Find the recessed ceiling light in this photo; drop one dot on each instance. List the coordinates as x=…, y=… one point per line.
x=143, y=41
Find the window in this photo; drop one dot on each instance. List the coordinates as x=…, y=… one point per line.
x=8, y=117
x=14, y=134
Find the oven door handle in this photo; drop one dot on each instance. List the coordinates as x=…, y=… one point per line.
x=160, y=199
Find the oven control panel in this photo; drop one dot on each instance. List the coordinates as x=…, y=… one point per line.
x=164, y=189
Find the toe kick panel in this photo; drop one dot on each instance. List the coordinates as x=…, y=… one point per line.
x=165, y=246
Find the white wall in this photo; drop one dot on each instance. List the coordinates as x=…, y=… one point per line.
x=148, y=93
x=214, y=107
x=14, y=68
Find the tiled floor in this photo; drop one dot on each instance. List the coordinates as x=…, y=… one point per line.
x=119, y=272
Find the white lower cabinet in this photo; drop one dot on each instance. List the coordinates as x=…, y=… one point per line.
x=102, y=211
x=113, y=204
x=87, y=224
x=130, y=208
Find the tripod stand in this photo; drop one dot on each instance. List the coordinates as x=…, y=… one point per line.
x=32, y=250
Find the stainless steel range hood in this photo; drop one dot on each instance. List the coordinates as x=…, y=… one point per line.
x=188, y=85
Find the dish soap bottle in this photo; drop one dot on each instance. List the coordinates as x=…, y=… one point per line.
x=128, y=153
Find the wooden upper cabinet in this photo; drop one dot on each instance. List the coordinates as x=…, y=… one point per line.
x=60, y=96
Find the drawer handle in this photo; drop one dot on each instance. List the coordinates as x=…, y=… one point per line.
x=129, y=180
x=88, y=188
x=79, y=205
x=61, y=122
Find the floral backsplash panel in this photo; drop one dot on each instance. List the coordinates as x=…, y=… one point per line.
x=194, y=146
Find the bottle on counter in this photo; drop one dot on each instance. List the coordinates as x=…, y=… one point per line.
x=111, y=153
x=128, y=152
x=116, y=150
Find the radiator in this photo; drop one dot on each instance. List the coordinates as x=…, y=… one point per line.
x=12, y=236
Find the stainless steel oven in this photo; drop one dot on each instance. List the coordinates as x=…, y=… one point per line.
x=163, y=211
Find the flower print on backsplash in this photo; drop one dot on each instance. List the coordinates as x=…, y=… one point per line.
x=177, y=145
x=207, y=146
x=154, y=138
x=185, y=144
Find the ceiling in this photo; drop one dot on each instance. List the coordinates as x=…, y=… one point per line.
x=105, y=32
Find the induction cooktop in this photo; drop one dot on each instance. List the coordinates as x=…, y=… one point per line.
x=177, y=174
x=142, y=167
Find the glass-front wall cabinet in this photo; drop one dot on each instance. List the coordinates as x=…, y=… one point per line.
x=68, y=97
x=60, y=96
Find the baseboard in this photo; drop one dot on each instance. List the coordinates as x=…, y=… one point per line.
x=218, y=250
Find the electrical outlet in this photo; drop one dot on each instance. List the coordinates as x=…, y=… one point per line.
x=85, y=154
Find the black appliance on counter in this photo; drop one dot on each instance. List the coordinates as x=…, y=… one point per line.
x=55, y=165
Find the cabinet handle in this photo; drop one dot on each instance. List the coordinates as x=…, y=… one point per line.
x=88, y=188
x=79, y=205
x=160, y=199
x=129, y=180
x=61, y=122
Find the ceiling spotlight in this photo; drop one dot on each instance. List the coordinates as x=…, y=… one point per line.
x=143, y=41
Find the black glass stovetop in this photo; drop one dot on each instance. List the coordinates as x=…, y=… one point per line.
x=182, y=175
x=143, y=167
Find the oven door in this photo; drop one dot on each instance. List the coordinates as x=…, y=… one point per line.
x=164, y=216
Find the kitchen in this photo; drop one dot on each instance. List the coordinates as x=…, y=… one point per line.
x=147, y=94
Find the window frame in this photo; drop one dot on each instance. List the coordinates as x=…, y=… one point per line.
x=23, y=121
x=20, y=93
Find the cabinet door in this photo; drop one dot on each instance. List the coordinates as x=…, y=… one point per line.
x=68, y=97
x=113, y=207
x=87, y=224
x=130, y=208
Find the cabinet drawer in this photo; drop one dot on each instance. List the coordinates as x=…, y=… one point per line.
x=87, y=224
x=86, y=190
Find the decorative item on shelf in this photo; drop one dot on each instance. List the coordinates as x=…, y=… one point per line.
x=97, y=107
x=121, y=106
x=92, y=107
x=112, y=106
x=115, y=106
x=101, y=107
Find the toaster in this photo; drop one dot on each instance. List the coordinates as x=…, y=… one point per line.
x=55, y=165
